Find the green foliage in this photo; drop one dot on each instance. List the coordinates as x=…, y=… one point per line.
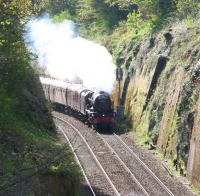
x=189, y=21
x=188, y=7
x=120, y=3
x=17, y=78
x=28, y=146
x=132, y=18
x=136, y=24
x=62, y=16
x=166, y=7
x=57, y=6
x=28, y=155
x=96, y=17
x=142, y=136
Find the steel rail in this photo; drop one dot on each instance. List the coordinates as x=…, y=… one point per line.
x=144, y=165
x=124, y=165
x=93, y=155
x=77, y=160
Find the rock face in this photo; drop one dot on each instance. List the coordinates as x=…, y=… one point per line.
x=194, y=158
x=163, y=92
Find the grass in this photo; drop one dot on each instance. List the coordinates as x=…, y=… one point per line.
x=34, y=151
x=44, y=158
x=142, y=136
x=189, y=21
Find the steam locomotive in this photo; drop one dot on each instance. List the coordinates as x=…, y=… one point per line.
x=95, y=108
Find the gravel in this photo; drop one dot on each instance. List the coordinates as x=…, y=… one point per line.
x=121, y=179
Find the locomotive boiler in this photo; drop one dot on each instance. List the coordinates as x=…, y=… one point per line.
x=95, y=108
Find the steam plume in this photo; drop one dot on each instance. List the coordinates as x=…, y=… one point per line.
x=67, y=56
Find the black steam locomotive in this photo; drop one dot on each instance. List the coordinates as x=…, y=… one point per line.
x=94, y=108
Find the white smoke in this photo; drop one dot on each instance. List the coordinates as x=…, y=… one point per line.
x=68, y=56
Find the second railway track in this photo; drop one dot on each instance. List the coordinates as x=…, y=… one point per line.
x=128, y=173
x=151, y=183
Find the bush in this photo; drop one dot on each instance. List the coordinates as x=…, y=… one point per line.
x=188, y=7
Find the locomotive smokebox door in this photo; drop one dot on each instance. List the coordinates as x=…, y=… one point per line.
x=119, y=73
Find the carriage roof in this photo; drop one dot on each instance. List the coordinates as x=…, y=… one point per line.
x=67, y=85
x=53, y=82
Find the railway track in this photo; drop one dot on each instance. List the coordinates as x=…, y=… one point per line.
x=124, y=167
x=119, y=178
x=90, y=191
x=90, y=166
x=151, y=183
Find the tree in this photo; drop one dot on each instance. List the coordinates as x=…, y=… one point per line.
x=166, y=6
x=57, y=6
x=17, y=78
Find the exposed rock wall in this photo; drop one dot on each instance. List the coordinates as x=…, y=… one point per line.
x=194, y=155
x=163, y=93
